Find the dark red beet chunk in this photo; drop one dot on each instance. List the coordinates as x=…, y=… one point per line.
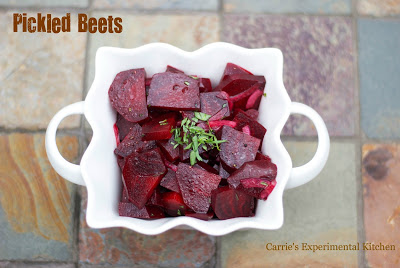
x=252, y=113
x=124, y=126
x=173, y=204
x=229, y=203
x=196, y=186
x=174, y=91
x=214, y=105
x=201, y=216
x=147, y=82
x=142, y=173
x=124, y=198
x=168, y=149
x=254, y=169
x=116, y=134
x=256, y=129
x=170, y=182
x=128, y=95
x=188, y=114
x=205, y=85
x=232, y=68
x=253, y=102
x=156, y=198
x=159, y=128
x=206, y=167
x=133, y=143
x=172, y=69
x=239, y=148
x=258, y=187
x=223, y=173
x=147, y=212
x=237, y=83
x=260, y=156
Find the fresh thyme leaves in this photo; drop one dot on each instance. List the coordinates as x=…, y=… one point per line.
x=194, y=77
x=193, y=138
x=265, y=94
x=264, y=183
x=186, y=83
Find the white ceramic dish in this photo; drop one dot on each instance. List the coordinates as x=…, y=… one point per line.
x=99, y=171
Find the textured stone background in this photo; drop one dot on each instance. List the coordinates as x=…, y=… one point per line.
x=341, y=57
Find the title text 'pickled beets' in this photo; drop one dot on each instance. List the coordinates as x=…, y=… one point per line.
x=188, y=149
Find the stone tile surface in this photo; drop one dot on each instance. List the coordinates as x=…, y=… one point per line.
x=188, y=32
x=323, y=211
x=318, y=63
x=381, y=181
x=35, y=265
x=36, y=204
x=39, y=74
x=158, y=4
x=379, y=64
x=378, y=7
x=289, y=6
x=44, y=3
x=119, y=246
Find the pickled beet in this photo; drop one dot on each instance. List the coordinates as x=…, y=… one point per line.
x=213, y=105
x=229, y=203
x=206, y=167
x=168, y=149
x=133, y=142
x=252, y=113
x=170, y=182
x=128, y=95
x=174, y=91
x=256, y=129
x=196, y=186
x=173, y=204
x=142, y=173
x=260, y=156
x=124, y=126
x=239, y=148
x=237, y=83
x=172, y=69
x=205, y=85
x=201, y=216
x=255, y=169
x=232, y=68
x=258, y=187
x=147, y=212
x=156, y=198
x=159, y=128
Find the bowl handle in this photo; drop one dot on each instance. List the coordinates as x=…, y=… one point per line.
x=66, y=169
x=307, y=172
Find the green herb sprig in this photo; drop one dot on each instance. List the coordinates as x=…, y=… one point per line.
x=195, y=137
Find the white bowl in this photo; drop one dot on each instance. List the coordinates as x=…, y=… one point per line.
x=99, y=170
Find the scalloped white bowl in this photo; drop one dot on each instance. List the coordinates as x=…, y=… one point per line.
x=99, y=170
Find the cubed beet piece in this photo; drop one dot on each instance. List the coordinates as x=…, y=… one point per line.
x=260, y=156
x=206, y=167
x=174, y=91
x=253, y=102
x=232, y=68
x=156, y=198
x=239, y=148
x=124, y=126
x=255, y=169
x=240, y=100
x=252, y=113
x=184, y=155
x=147, y=82
x=172, y=69
x=256, y=129
x=188, y=114
x=167, y=147
x=196, y=186
x=238, y=83
x=201, y=216
x=173, y=204
x=205, y=85
x=170, y=182
x=159, y=128
x=229, y=203
x=214, y=105
x=147, y=212
x=128, y=95
x=142, y=173
x=133, y=142
x=223, y=173
x=258, y=187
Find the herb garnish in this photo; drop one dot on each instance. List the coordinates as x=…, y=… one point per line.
x=265, y=94
x=186, y=83
x=163, y=123
x=193, y=137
